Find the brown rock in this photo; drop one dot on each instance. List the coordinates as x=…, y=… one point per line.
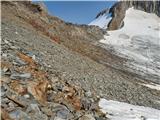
x=39, y=90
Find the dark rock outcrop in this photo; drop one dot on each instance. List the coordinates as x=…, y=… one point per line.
x=118, y=11
x=147, y=6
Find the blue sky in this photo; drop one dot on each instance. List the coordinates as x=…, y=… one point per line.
x=80, y=12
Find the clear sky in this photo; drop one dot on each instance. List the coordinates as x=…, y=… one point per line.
x=80, y=12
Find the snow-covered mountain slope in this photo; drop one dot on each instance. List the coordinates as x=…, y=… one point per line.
x=102, y=20
x=115, y=110
x=138, y=41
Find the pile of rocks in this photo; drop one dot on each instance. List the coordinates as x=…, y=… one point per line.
x=29, y=92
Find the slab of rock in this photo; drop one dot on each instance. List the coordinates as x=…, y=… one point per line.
x=62, y=113
x=20, y=76
x=19, y=115
x=34, y=111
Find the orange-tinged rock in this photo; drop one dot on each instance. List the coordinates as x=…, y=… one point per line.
x=39, y=90
x=17, y=87
x=26, y=58
x=4, y=115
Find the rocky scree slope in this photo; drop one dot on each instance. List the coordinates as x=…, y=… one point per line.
x=44, y=77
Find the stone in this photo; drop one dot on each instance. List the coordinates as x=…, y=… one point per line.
x=5, y=71
x=4, y=55
x=11, y=105
x=101, y=118
x=34, y=57
x=34, y=111
x=47, y=111
x=20, y=76
x=17, y=61
x=27, y=96
x=63, y=113
x=88, y=94
x=57, y=118
x=86, y=104
x=59, y=87
x=5, y=100
x=3, y=91
x=19, y=115
x=87, y=117
x=33, y=108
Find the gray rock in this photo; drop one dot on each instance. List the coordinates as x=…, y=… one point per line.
x=4, y=102
x=88, y=94
x=4, y=55
x=61, y=112
x=87, y=117
x=86, y=104
x=3, y=91
x=20, y=76
x=27, y=96
x=11, y=105
x=19, y=62
x=5, y=71
x=100, y=118
x=19, y=115
x=34, y=111
x=33, y=108
x=57, y=118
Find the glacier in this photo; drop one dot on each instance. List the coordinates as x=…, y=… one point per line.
x=139, y=42
x=115, y=110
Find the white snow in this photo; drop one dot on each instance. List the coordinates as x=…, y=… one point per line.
x=102, y=21
x=115, y=110
x=152, y=86
x=138, y=41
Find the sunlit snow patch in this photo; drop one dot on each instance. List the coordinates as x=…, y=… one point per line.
x=152, y=86
x=115, y=110
x=102, y=21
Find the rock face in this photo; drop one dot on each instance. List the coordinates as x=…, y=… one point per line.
x=118, y=13
x=147, y=6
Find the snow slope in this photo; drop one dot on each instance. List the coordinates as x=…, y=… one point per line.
x=115, y=110
x=138, y=41
x=102, y=21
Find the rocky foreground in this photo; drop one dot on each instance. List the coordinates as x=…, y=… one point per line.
x=52, y=70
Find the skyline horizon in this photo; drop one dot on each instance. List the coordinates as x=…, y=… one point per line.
x=76, y=11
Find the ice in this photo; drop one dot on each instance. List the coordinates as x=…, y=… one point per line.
x=138, y=40
x=115, y=110
x=102, y=21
